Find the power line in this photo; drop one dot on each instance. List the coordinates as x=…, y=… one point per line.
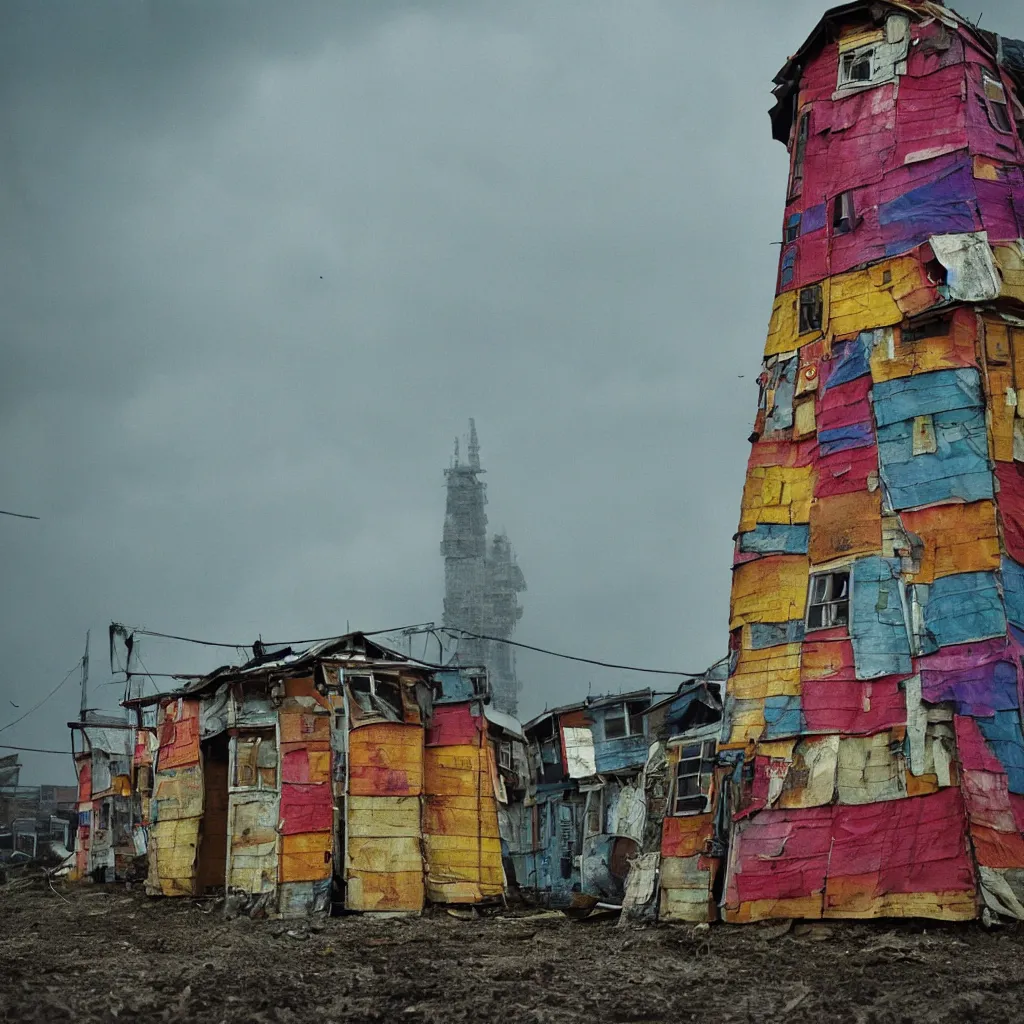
x=35, y=707
x=34, y=750
x=570, y=657
x=17, y=515
x=138, y=630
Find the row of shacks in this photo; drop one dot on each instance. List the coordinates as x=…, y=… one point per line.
x=351, y=777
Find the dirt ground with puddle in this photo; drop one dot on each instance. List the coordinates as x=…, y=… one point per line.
x=114, y=955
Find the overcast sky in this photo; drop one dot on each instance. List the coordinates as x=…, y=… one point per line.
x=261, y=261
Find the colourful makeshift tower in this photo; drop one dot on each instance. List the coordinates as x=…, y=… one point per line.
x=877, y=611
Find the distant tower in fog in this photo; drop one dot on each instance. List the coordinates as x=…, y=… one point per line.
x=481, y=579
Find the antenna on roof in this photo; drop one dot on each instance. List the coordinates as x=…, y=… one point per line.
x=474, y=446
x=85, y=675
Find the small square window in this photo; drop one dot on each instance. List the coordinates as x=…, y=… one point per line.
x=505, y=754
x=857, y=66
x=828, y=600
x=792, y=230
x=810, y=309
x=623, y=720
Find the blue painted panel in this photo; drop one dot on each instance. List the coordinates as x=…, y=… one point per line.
x=776, y=539
x=1003, y=733
x=1013, y=590
x=783, y=717
x=926, y=393
x=878, y=630
x=814, y=219
x=850, y=360
x=781, y=416
x=958, y=470
x=963, y=608
x=616, y=755
x=455, y=687
x=774, y=634
x=841, y=439
x=942, y=207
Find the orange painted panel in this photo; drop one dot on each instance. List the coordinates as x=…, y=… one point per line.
x=386, y=759
x=385, y=891
x=305, y=726
x=306, y=857
x=456, y=771
x=686, y=837
x=179, y=735
x=846, y=524
x=957, y=538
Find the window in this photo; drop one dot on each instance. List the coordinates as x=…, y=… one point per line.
x=788, y=271
x=828, y=602
x=255, y=761
x=374, y=695
x=928, y=327
x=144, y=779
x=791, y=232
x=693, y=778
x=810, y=308
x=505, y=754
x=803, y=131
x=843, y=218
x=857, y=66
x=995, y=97
x=623, y=720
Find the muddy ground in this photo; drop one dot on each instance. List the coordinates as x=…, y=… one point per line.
x=108, y=954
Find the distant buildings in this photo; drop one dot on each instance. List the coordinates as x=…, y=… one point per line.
x=481, y=577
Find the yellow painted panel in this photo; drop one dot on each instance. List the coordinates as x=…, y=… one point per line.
x=1010, y=261
x=172, y=856
x=456, y=771
x=689, y=905
x=685, y=873
x=957, y=538
x=459, y=816
x=383, y=816
x=942, y=906
x=863, y=300
x=784, y=327
x=945, y=352
x=401, y=853
x=460, y=892
x=306, y=857
x=461, y=852
x=772, y=589
x=807, y=907
x=852, y=38
x=777, y=494
x=179, y=793
x=747, y=721
x=385, y=891
x=771, y=672
x=1001, y=413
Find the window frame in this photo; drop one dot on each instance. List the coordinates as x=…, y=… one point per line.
x=375, y=695
x=704, y=774
x=855, y=58
x=260, y=786
x=990, y=78
x=787, y=266
x=803, y=135
x=627, y=718
x=829, y=600
x=804, y=325
x=505, y=755
x=844, y=214
x=791, y=228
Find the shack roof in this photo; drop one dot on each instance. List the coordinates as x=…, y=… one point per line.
x=591, y=702
x=1008, y=52
x=351, y=648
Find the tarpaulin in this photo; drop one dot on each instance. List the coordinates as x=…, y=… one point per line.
x=850, y=360
x=1013, y=590
x=926, y=393
x=305, y=808
x=878, y=628
x=1002, y=732
x=775, y=539
x=179, y=734
x=386, y=759
x=846, y=471
x=851, y=706
x=783, y=716
x=971, y=274
x=955, y=538
x=896, y=355
x=980, y=678
x=452, y=725
x=760, y=635
x=1010, y=476
x=768, y=672
x=776, y=494
x=306, y=857
x=772, y=589
x=963, y=608
x=686, y=836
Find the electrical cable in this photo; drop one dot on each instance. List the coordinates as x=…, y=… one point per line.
x=35, y=707
x=34, y=750
x=17, y=515
x=455, y=632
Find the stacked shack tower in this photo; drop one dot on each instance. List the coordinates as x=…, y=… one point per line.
x=481, y=579
x=877, y=613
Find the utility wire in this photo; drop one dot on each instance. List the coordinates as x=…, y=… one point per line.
x=35, y=707
x=34, y=750
x=455, y=632
x=17, y=515
x=138, y=630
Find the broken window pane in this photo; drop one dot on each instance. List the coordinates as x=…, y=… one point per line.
x=843, y=214
x=792, y=230
x=857, y=66
x=995, y=97
x=828, y=602
x=615, y=725
x=799, y=153
x=810, y=309
x=693, y=778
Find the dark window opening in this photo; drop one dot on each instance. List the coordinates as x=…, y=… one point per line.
x=930, y=327
x=791, y=232
x=810, y=309
x=693, y=778
x=843, y=216
x=624, y=720
x=376, y=696
x=788, y=272
x=803, y=131
x=828, y=603
x=998, y=108
x=856, y=66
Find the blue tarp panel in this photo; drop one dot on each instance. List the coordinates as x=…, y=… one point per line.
x=878, y=630
x=925, y=393
x=616, y=755
x=943, y=207
x=774, y=634
x=963, y=608
x=850, y=360
x=958, y=470
x=783, y=716
x=841, y=439
x=455, y=687
x=775, y=539
x=1003, y=734
x=781, y=416
x=1013, y=590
